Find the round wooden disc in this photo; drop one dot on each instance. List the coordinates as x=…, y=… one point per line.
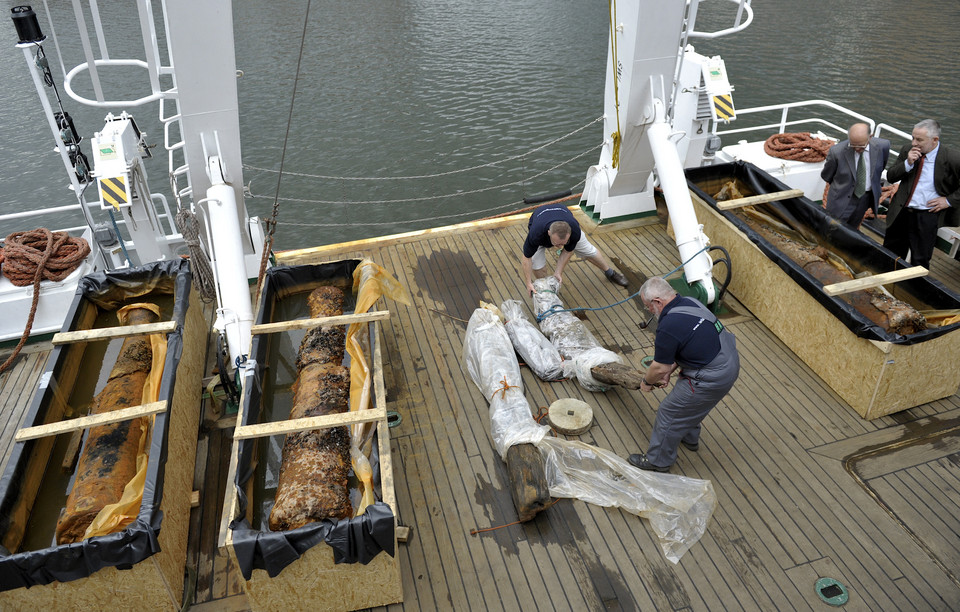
x=569, y=416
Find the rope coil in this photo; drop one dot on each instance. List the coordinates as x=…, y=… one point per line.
x=53, y=254
x=34, y=256
x=797, y=146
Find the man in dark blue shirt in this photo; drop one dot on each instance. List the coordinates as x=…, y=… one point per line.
x=553, y=226
x=691, y=338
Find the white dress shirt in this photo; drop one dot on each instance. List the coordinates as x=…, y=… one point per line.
x=924, y=192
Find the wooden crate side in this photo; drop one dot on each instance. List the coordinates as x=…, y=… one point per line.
x=314, y=582
x=917, y=374
x=182, y=452
x=155, y=583
x=138, y=589
x=857, y=369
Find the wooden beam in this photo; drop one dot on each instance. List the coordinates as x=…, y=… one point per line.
x=875, y=280
x=262, y=430
x=347, y=319
x=763, y=198
x=105, y=333
x=115, y=416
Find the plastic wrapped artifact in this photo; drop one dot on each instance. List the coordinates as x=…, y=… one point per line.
x=678, y=508
x=571, y=337
x=493, y=367
x=538, y=352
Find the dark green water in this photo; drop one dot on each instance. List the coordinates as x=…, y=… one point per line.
x=432, y=87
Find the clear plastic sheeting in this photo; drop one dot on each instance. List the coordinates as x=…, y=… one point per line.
x=678, y=508
x=537, y=352
x=588, y=359
x=569, y=335
x=566, y=332
x=492, y=365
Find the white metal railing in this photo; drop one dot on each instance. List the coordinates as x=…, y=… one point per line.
x=784, y=121
x=738, y=23
x=881, y=127
x=55, y=210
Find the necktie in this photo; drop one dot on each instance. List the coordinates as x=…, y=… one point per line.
x=861, y=186
x=916, y=179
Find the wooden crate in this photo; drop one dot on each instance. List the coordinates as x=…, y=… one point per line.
x=314, y=581
x=155, y=583
x=876, y=378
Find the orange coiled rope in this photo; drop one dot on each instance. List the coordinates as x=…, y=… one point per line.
x=41, y=253
x=798, y=146
x=37, y=255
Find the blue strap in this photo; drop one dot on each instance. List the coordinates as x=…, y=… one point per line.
x=556, y=309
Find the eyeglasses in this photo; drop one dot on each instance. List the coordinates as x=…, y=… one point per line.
x=862, y=147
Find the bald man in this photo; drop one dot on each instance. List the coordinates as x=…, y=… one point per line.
x=852, y=169
x=691, y=339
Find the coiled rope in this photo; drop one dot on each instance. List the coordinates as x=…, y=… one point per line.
x=38, y=255
x=797, y=146
x=202, y=271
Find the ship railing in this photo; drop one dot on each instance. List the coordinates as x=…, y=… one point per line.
x=785, y=121
x=155, y=69
x=883, y=127
x=166, y=216
x=742, y=20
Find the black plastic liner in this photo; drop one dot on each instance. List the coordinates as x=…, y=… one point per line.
x=848, y=243
x=356, y=540
x=138, y=540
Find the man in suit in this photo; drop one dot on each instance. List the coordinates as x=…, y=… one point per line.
x=928, y=195
x=852, y=169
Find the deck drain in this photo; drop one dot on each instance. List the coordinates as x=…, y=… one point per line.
x=393, y=418
x=832, y=591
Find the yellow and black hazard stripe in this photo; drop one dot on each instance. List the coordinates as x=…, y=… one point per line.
x=113, y=191
x=723, y=107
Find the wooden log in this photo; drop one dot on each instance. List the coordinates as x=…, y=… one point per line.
x=528, y=480
x=73, y=450
x=763, y=198
x=876, y=280
x=617, y=374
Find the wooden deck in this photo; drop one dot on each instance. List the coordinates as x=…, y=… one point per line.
x=805, y=487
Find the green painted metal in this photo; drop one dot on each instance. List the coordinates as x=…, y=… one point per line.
x=832, y=591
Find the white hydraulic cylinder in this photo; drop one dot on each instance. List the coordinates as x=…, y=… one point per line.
x=235, y=312
x=690, y=238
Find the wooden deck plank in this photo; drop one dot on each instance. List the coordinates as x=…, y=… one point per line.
x=445, y=329
x=774, y=449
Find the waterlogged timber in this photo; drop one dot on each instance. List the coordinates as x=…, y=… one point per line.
x=315, y=467
x=109, y=458
x=804, y=247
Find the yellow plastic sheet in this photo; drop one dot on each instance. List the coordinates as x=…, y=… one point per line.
x=116, y=516
x=370, y=281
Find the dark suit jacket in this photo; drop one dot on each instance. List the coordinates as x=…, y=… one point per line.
x=946, y=180
x=840, y=170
